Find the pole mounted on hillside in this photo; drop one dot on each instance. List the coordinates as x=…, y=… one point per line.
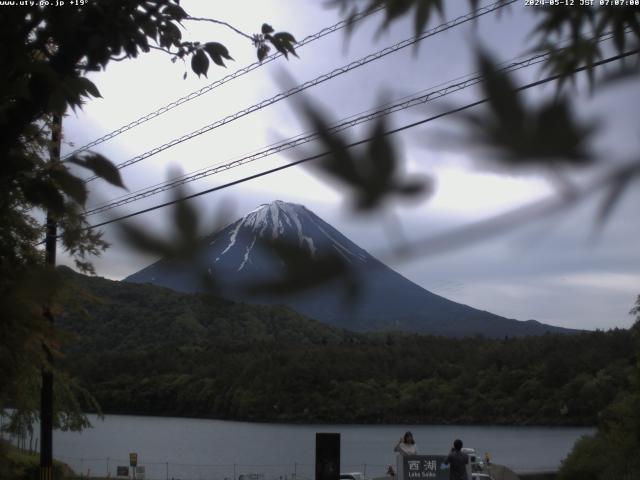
x=46, y=394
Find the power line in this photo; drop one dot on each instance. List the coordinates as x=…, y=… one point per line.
x=349, y=122
x=202, y=170
x=293, y=142
x=238, y=73
x=359, y=142
x=318, y=80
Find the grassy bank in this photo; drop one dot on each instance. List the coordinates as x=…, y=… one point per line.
x=17, y=464
x=538, y=476
x=500, y=472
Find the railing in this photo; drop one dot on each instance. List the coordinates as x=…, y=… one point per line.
x=106, y=467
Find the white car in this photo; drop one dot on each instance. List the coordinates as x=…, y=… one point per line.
x=481, y=476
x=475, y=459
x=471, y=453
x=352, y=476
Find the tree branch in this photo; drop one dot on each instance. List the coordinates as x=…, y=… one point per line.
x=161, y=49
x=220, y=22
x=119, y=59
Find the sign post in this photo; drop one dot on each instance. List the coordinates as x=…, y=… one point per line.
x=140, y=471
x=422, y=467
x=327, y=456
x=133, y=462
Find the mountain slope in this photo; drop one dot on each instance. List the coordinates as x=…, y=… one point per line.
x=238, y=257
x=126, y=317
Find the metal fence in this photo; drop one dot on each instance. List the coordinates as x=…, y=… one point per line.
x=89, y=468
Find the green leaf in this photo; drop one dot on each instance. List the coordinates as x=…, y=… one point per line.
x=618, y=186
x=175, y=11
x=73, y=92
x=263, y=50
x=217, y=52
x=414, y=188
x=186, y=220
x=100, y=166
x=72, y=186
x=284, y=43
x=43, y=193
x=172, y=32
x=396, y=9
x=424, y=10
x=145, y=242
x=279, y=46
x=149, y=28
x=619, y=37
x=76, y=88
x=499, y=87
x=422, y=17
x=381, y=155
x=200, y=63
x=285, y=37
x=521, y=136
x=215, y=48
x=20, y=89
x=474, y=4
x=43, y=69
x=57, y=101
x=303, y=270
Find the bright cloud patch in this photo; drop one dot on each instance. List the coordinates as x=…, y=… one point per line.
x=620, y=282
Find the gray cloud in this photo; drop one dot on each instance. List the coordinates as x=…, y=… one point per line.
x=519, y=275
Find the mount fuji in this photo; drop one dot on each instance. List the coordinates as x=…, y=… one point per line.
x=239, y=256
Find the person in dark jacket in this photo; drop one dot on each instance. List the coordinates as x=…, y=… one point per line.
x=457, y=462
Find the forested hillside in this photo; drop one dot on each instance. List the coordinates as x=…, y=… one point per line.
x=149, y=350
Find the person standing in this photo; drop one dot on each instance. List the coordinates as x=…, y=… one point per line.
x=457, y=461
x=391, y=472
x=406, y=445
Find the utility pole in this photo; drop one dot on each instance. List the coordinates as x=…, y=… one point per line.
x=46, y=394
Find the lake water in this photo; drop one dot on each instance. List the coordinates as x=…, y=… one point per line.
x=211, y=449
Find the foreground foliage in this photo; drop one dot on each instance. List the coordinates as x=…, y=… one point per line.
x=612, y=453
x=46, y=54
x=19, y=464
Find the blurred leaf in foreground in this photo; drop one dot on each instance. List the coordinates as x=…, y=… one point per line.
x=519, y=135
x=184, y=243
x=304, y=270
x=372, y=174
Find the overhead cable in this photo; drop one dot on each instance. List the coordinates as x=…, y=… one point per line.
x=318, y=80
x=420, y=98
x=357, y=143
x=303, y=139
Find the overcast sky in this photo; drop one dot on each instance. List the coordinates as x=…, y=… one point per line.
x=560, y=270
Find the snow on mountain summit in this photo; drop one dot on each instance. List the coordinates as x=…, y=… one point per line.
x=273, y=216
x=290, y=222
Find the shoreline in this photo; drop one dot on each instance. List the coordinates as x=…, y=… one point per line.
x=206, y=446
x=30, y=463
x=271, y=421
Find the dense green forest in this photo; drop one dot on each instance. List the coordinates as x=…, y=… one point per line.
x=148, y=350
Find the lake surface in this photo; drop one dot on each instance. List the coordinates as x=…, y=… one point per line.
x=212, y=449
